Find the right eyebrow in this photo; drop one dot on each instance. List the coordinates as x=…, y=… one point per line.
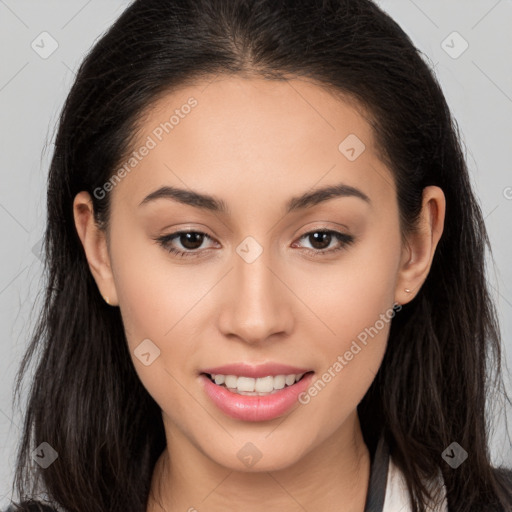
x=188, y=197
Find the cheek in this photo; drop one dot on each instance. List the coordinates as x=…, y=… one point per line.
x=350, y=360
x=350, y=294
x=157, y=307
x=354, y=301
x=156, y=302
x=154, y=295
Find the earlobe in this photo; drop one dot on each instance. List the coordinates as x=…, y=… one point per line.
x=419, y=249
x=94, y=243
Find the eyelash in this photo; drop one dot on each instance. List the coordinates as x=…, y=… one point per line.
x=344, y=239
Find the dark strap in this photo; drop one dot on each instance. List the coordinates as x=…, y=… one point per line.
x=378, y=478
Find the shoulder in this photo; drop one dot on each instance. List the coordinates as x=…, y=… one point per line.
x=397, y=496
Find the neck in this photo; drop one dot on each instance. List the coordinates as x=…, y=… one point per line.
x=332, y=477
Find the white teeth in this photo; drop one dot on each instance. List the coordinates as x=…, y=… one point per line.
x=246, y=384
x=231, y=381
x=259, y=386
x=290, y=379
x=279, y=381
x=264, y=384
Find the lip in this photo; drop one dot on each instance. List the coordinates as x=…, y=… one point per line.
x=255, y=371
x=255, y=408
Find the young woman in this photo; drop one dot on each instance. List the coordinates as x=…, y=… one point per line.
x=266, y=285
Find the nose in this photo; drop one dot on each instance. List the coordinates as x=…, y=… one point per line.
x=256, y=304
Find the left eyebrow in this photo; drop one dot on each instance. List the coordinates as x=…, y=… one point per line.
x=208, y=202
x=317, y=196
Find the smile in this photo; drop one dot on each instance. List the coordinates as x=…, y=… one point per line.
x=261, y=397
x=250, y=386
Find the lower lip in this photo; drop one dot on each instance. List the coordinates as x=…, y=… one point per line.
x=255, y=408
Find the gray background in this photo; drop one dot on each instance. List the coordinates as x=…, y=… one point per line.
x=477, y=84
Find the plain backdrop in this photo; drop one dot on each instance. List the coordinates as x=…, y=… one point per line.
x=467, y=43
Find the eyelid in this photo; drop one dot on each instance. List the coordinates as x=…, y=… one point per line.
x=165, y=240
x=344, y=239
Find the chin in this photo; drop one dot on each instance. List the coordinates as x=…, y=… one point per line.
x=259, y=456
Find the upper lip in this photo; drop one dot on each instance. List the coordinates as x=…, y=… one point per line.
x=255, y=371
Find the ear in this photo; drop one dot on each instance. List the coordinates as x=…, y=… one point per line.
x=94, y=242
x=418, y=251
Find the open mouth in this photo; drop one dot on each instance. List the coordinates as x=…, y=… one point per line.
x=261, y=386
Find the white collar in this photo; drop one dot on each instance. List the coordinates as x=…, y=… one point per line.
x=397, y=497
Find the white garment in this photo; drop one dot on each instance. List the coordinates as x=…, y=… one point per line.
x=397, y=497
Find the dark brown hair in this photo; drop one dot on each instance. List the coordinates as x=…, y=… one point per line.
x=443, y=360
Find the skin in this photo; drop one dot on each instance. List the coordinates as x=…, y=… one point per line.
x=255, y=144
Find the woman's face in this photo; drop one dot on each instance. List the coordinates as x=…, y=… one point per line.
x=252, y=291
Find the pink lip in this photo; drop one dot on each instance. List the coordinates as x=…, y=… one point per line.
x=254, y=408
x=262, y=370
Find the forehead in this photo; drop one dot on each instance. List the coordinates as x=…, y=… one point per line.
x=231, y=134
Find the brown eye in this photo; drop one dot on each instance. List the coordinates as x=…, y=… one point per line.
x=191, y=240
x=321, y=240
x=188, y=242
